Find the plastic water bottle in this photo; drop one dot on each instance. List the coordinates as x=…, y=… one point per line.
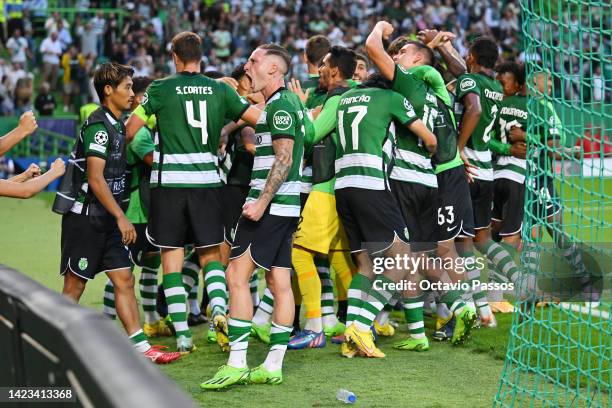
x=346, y=396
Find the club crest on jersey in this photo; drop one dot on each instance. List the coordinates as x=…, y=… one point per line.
x=101, y=137
x=282, y=120
x=467, y=84
x=83, y=264
x=145, y=98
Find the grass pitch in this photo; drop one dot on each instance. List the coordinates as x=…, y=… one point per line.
x=445, y=376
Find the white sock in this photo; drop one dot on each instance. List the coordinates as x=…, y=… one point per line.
x=263, y=314
x=194, y=307
x=382, y=317
x=274, y=360
x=237, y=358
x=315, y=324
x=330, y=320
x=442, y=311
x=143, y=346
x=151, y=317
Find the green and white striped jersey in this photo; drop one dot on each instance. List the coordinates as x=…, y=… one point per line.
x=191, y=110
x=512, y=113
x=364, y=119
x=491, y=94
x=283, y=117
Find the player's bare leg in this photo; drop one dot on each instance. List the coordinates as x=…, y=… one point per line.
x=73, y=286
x=125, y=299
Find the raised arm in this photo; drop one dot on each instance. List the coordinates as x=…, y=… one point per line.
x=29, y=188
x=441, y=41
x=135, y=122
x=376, y=50
x=27, y=126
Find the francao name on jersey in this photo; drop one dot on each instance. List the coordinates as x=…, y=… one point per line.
x=355, y=99
x=510, y=111
x=497, y=96
x=194, y=90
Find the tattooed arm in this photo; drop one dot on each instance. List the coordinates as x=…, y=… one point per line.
x=283, y=158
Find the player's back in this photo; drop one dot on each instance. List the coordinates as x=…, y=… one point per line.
x=191, y=110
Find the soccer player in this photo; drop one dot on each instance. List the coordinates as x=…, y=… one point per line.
x=479, y=95
x=424, y=191
x=269, y=218
x=368, y=211
x=320, y=230
x=361, y=69
x=510, y=166
x=95, y=229
x=185, y=185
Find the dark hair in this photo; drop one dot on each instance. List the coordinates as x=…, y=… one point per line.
x=344, y=59
x=516, y=69
x=396, y=45
x=214, y=74
x=485, y=52
x=317, y=48
x=238, y=72
x=187, y=46
x=141, y=84
x=110, y=73
x=360, y=57
x=275, y=49
x=423, y=50
x=376, y=80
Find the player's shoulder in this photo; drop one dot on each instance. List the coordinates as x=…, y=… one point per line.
x=285, y=100
x=468, y=82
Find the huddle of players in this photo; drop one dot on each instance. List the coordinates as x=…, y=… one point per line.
x=379, y=150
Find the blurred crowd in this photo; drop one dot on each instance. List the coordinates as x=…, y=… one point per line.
x=62, y=50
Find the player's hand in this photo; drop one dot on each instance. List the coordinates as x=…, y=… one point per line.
x=32, y=171
x=385, y=29
x=296, y=88
x=128, y=232
x=58, y=167
x=427, y=36
x=441, y=38
x=253, y=210
x=518, y=149
x=316, y=111
x=27, y=123
x=230, y=81
x=516, y=134
x=470, y=169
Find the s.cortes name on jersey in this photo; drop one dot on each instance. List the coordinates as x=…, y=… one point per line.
x=194, y=90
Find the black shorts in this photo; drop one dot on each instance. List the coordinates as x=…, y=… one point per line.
x=182, y=216
x=234, y=198
x=454, y=214
x=270, y=240
x=545, y=202
x=87, y=250
x=303, y=198
x=142, y=245
x=508, y=204
x=371, y=218
x=419, y=205
x=481, y=192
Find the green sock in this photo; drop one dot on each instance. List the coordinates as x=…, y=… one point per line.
x=214, y=279
x=501, y=255
x=109, y=300
x=176, y=298
x=474, y=274
x=264, y=309
x=191, y=271
x=358, y=288
x=374, y=302
x=254, y=287
x=147, y=285
x=279, y=337
x=413, y=312
x=327, y=288
x=453, y=300
x=140, y=342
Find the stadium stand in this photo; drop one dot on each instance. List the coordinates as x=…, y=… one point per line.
x=49, y=341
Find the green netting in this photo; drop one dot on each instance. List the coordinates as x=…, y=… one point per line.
x=560, y=355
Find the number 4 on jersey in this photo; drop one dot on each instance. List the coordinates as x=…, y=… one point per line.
x=201, y=124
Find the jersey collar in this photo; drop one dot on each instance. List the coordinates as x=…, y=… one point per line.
x=282, y=88
x=188, y=73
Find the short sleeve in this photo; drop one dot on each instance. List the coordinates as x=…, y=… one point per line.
x=142, y=143
x=235, y=105
x=280, y=116
x=465, y=85
x=401, y=109
x=151, y=100
x=96, y=141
